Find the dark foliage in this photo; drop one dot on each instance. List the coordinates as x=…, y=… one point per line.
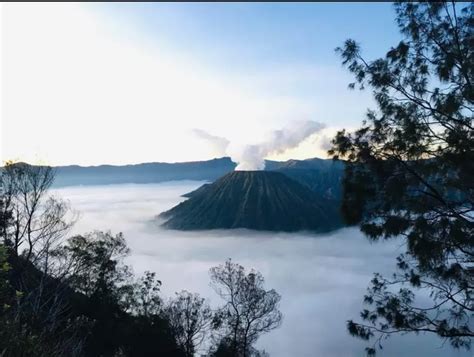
x=75, y=296
x=84, y=314
x=410, y=173
x=69, y=299
x=190, y=319
x=249, y=310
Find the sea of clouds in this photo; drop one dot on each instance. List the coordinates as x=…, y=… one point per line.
x=322, y=278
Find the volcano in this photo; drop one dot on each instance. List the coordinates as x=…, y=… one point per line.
x=260, y=200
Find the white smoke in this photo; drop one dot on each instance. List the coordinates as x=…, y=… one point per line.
x=218, y=143
x=247, y=157
x=252, y=156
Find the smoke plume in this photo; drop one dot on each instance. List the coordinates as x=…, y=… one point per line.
x=252, y=156
x=219, y=144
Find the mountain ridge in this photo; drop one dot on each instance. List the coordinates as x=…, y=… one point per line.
x=324, y=176
x=260, y=200
x=155, y=172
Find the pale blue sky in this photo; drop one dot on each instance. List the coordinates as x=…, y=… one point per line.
x=258, y=35
x=135, y=80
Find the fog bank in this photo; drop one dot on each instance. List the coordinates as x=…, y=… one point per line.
x=322, y=278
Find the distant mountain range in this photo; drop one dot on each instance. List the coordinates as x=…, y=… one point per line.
x=322, y=176
x=261, y=200
x=287, y=196
x=142, y=173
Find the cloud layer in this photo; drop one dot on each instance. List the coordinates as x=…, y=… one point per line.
x=321, y=278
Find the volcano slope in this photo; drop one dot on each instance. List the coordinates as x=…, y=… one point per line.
x=260, y=200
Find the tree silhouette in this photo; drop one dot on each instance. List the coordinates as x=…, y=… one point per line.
x=410, y=173
x=250, y=310
x=190, y=318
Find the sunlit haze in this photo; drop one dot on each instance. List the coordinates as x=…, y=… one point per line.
x=117, y=83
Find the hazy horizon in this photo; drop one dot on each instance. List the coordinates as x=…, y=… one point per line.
x=162, y=162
